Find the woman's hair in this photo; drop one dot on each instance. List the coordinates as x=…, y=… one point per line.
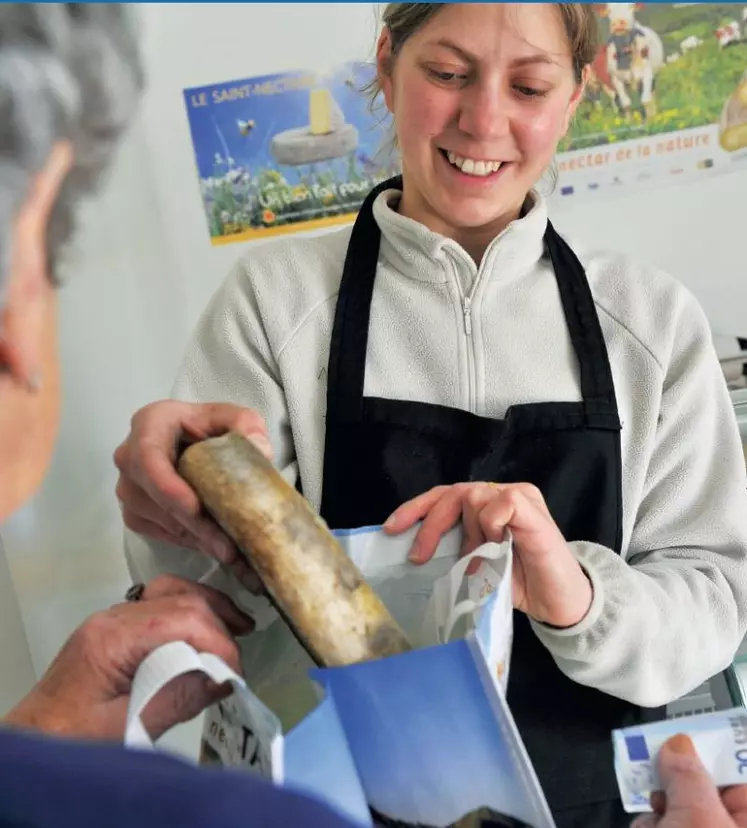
x=67, y=71
x=579, y=20
x=404, y=19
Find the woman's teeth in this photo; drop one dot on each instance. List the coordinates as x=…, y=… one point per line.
x=471, y=167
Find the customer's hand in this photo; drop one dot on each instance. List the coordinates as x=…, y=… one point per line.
x=156, y=501
x=86, y=690
x=690, y=799
x=548, y=583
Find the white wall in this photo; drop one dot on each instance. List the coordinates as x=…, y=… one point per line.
x=17, y=671
x=694, y=231
x=144, y=270
x=222, y=42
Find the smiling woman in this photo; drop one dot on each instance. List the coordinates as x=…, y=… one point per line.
x=481, y=99
x=453, y=338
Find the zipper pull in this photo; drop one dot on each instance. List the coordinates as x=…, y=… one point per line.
x=468, y=316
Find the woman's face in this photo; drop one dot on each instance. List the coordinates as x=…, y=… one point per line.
x=480, y=96
x=29, y=381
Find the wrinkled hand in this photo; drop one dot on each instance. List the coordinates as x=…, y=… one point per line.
x=690, y=799
x=86, y=690
x=156, y=501
x=549, y=585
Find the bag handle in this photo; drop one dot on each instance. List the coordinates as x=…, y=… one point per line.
x=159, y=668
x=247, y=734
x=444, y=609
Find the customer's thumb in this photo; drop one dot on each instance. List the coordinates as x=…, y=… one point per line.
x=687, y=786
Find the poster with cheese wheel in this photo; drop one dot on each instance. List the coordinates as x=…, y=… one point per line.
x=287, y=152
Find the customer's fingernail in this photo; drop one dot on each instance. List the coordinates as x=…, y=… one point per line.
x=223, y=550
x=263, y=444
x=246, y=576
x=253, y=583
x=681, y=744
x=391, y=521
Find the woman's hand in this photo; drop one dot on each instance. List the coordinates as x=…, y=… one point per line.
x=548, y=583
x=690, y=799
x=86, y=690
x=156, y=501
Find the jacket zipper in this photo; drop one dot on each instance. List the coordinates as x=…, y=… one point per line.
x=467, y=317
x=467, y=308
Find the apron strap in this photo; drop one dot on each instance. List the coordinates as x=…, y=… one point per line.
x=347, y=360
x=597, y=386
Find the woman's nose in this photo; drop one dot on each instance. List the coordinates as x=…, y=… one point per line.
x=484, y=112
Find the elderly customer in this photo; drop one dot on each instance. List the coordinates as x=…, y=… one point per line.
x=69, y=80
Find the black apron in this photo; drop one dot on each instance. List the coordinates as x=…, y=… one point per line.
x=380, y=453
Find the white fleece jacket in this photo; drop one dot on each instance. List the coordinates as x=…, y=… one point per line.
x=672, y=609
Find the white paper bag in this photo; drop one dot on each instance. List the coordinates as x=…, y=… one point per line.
x=376, y=743
x=432, y=602
x=437, y=601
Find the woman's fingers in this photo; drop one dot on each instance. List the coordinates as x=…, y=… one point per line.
x=410, y=512
x=476, y=501
x=486, y=510
x=442, y=517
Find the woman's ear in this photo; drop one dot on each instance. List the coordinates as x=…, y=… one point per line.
x=384, y=67
x=576, y=98
x=29, y=287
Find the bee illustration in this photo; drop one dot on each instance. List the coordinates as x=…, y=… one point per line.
x=245, y=127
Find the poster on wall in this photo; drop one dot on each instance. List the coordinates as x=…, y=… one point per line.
x=666, y=99
x=286, y=152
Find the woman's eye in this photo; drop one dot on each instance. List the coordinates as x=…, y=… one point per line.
x=447, y=77
x=530, y=91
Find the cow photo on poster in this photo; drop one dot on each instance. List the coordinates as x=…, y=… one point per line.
x=666, y=99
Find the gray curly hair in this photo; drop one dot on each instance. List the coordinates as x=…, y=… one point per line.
x=67, y=71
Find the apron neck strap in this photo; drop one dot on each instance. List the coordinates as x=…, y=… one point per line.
x=597, y=386
x=347, y=361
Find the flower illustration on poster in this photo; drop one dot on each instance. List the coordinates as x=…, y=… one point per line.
x=666, y=99
x=286, y=152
